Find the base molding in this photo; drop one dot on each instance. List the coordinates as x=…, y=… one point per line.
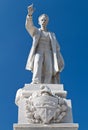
x=60, y=126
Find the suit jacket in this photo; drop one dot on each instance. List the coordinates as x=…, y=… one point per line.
x=57, y=59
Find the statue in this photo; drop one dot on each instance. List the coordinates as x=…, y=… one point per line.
x=42, y=104
x=45, y=59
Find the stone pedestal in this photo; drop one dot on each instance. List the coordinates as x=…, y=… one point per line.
x=23, y=124
x=61, y=126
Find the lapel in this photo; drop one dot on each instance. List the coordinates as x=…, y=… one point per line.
x=53, y=44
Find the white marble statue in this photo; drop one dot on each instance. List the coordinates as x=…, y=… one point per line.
x=42, y=104
x=45, y=107
x=45, y=59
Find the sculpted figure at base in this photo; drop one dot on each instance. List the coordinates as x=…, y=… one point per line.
x=45, y=59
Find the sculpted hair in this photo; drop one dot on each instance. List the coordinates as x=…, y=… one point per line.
x=43, y=15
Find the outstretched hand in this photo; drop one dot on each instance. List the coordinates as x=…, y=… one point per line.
x=30, y=9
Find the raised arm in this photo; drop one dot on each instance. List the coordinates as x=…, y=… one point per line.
x=29, y=22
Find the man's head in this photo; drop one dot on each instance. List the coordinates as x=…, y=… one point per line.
x=43, y=20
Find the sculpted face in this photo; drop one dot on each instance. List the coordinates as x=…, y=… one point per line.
x=43, y=20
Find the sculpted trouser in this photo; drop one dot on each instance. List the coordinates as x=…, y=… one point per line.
x=42, y=72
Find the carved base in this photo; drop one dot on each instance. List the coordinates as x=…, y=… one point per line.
x=24, y=93
x=61, y=126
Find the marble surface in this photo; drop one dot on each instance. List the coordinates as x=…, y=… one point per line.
x=61, y=126
x=45, y=107
x=45, y=59
x=25, y=93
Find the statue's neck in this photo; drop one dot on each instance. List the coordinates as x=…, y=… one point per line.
x=43, y=28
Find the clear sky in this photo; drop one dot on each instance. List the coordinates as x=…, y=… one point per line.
x=69, y=21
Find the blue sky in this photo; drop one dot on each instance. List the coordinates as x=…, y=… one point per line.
x=69, y=21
